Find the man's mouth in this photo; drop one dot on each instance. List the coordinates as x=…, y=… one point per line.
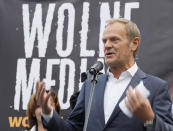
x=108, y=54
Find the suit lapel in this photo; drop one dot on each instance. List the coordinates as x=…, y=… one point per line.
x=139, y=75
x=99, y=95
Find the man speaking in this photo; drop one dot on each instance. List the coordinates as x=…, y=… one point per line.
x=140, y=112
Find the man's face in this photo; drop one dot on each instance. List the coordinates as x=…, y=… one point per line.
x=117, y=49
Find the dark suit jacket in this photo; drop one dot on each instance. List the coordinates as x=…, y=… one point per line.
x=159, y=99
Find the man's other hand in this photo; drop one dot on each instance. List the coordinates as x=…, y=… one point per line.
x=138, y=105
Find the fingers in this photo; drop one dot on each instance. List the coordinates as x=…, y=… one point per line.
x=131, y=95
x=47, y=98
x=134, y=100
x=40, y=89
x=47, y=107
x=138, y=94
x=138, y=105
x=131, y=98
x=128, y=105
x=41, y=95
x=37, y=89
x=37, y=86
x=42, y=98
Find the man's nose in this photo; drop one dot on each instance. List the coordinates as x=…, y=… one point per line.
x=108, y=44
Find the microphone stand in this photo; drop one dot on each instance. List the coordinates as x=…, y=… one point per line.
x=94, y=81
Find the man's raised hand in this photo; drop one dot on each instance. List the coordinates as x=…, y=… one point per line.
x=42, y=98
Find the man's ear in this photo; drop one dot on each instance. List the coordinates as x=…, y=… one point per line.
x=135, y=43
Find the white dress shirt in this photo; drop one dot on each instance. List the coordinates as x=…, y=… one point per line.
x=115, y=88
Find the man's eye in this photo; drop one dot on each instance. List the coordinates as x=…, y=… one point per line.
x=104, y=41
x=114, y=39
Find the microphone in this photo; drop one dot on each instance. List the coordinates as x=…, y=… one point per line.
x=94, y=70
x=98, y=66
